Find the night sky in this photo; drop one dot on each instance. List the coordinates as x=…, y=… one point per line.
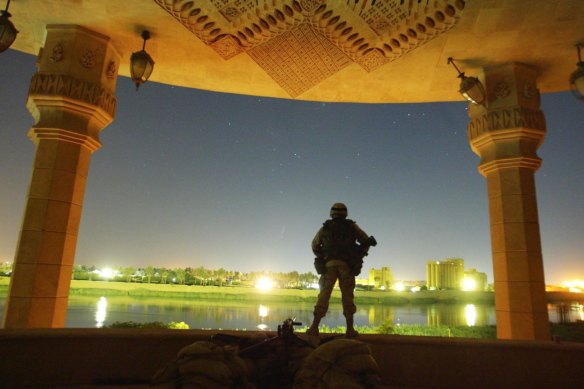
x=195, y=178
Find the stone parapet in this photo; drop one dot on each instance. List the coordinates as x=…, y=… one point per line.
x=120, y=358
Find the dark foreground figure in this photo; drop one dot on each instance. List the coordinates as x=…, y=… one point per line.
x=339, y=247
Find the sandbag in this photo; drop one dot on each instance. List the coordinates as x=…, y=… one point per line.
x=204, y=365
x=339, y=364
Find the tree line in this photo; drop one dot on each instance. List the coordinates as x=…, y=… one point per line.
x=193, y=276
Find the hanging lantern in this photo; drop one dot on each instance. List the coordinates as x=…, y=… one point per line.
x=141, y=63
x=577, y=78
x=7, y=30
x=471, y=88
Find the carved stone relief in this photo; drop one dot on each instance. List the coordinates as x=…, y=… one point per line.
x=298, y=70
x=529, y=90
x=319, y=37
x=227, y=47
x=111, y=70
x=504, y=119
x=233, y=9
x=384, y=16
x=89, y=58
x=57, y=54
x=310, y=5
x=502, y=90
x=66, y=86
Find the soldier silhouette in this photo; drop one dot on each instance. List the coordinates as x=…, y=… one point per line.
x=338, y=257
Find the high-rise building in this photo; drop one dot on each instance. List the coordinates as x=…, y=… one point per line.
x=446, y=274
x=381, y=278
x=433, y=274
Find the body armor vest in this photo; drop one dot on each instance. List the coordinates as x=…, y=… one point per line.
x=338, y=239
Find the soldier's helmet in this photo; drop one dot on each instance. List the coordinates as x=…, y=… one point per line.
x=339, y=210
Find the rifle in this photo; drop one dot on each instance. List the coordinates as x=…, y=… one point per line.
x=355, y=260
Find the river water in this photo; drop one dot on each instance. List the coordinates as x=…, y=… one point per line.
x=91, y=312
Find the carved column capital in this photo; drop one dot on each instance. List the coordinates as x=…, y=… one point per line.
x=88, y=142
x=509, y=128
x=73, y=89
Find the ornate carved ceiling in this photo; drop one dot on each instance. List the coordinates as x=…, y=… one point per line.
x=301, y=43
x=369, y=51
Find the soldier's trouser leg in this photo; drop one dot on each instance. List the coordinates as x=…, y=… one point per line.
x=327, y=282
x=347, y=284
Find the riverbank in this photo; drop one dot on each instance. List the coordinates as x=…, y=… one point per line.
x=229, y=293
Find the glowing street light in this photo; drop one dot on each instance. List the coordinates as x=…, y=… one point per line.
x=107, y=273
x=264, y=284
x=574, y=286
x=469, y=284
x=399, y=287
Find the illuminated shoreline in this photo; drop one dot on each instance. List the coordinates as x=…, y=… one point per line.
x=196, y=292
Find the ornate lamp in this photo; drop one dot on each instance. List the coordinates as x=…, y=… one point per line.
x=141, y=63
x=7, y=30
x=470, y=87
x=577, y=78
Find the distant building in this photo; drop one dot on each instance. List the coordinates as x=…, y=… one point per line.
x=446, y=274
x=474, y=280
x=381, y=278
x=414, y=285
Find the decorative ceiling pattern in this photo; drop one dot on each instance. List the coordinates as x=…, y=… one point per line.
x=300, y=43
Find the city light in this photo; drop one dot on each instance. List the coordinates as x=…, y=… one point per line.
x=106, y=273
x=575, y=286
x=399, y=287
x=469, y=284
x=264, y=283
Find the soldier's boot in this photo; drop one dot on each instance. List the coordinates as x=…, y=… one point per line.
x=313, y=330
x=351, y=332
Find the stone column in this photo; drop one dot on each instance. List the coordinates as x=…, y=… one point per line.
x=71, y=98
x=506, y=132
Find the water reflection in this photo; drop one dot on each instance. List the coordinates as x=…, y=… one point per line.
x=263, y=313
x=461, y=315
x=101, y=312
x=566, y=312
x=211, y=314
x=470, y=312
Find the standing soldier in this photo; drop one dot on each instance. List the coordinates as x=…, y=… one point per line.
x=338, y=257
